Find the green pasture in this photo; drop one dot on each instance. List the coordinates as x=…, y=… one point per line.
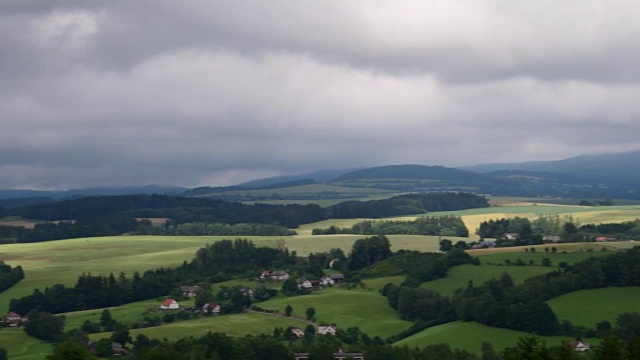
x=492, y=264
x=19, y=346
x=62, y=261
x=125, y=314
x=588, y=307
x=364, y=308
x=470, y=336
x=459, y=276
x=232, y=325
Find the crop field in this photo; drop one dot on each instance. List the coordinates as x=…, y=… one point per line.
x=470, y=336
x=588, y=307
x=346, y=308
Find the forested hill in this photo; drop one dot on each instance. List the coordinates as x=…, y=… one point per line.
x=415, y=172
x=179, y=209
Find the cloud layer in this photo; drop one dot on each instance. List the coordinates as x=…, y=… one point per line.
x=213, y=93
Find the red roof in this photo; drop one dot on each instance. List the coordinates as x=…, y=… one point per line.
x=168, y=302
x=12, y=315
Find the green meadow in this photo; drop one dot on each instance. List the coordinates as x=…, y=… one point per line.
x=588, y=307
x=459, y=276
x=470, y=336
x=19, y=346
x=364, y=308
x=233, y=325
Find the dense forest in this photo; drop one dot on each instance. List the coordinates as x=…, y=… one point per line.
x=116, y=215
x=407, y=205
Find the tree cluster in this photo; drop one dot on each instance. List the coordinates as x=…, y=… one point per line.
x=369, y=251
x=407, y=204
x=443, y=225
x=9, y=276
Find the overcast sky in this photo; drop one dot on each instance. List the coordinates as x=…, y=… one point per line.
x=96, y=93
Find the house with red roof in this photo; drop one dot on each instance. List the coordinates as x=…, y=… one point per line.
x=169, y=304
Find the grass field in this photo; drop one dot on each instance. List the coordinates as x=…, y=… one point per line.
x=366, y=309
x=233, y=325
x=470, y=336
x=61, y=262
x=19, y=346
x=588, y=307
x=490, y=267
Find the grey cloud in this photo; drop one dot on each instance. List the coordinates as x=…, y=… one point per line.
x=212, y=93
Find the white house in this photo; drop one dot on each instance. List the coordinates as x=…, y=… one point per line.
x=326, y=280
x=169, y=304
x=327, y=330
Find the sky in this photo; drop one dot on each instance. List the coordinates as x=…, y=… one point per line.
x=201, y=92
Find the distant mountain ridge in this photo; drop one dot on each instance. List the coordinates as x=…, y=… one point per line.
x=606, y=166
x=586, y=176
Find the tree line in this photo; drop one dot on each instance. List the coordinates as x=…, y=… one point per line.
x=568, y=229
x=407, y=204
x=9, y=276
x=443, y=225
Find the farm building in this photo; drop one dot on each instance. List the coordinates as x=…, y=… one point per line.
x=169, y=304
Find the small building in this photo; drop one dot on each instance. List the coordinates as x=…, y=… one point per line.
x=578, y=345
x=279, y=275
x=326, y=281
x=305, y=284
x=14, y=319
x=337, y=278
x=327, y=330
x=511, y=236
x=211, y=309
x=190, y=291
x=298, y=332
x=169, y=304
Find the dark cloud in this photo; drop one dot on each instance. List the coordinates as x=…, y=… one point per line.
x=212, y=93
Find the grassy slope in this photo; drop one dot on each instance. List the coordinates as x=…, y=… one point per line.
x=19, y=346
x=364, y=308
x=588, y=307
x=63, y=261
x=234, y=325
x=491, y=258
x=471, y=335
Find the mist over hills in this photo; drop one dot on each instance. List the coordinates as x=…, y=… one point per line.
x=615, y=175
